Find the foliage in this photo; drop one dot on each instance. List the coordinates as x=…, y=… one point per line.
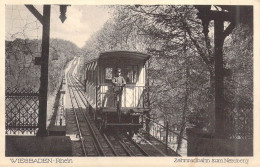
x=181, y=69
x=164, y=32
x=61, y=52
x=20, y=70
x=22, y=73
x=199, y=118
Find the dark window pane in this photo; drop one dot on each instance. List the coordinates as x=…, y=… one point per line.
x=108, y=73
x=130, y=74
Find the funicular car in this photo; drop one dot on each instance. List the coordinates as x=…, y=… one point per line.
x=100, y=92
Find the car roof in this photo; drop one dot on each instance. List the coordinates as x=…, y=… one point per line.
x=138, y=56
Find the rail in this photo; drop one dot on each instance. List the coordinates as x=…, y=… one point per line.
x=95, y=138
x=77, y=123
x=161, y=132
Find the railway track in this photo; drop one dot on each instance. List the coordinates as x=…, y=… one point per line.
x=134, y=148
x=123, y=145
x=95, y=143
x=90, y=138
x=150, y=146
x=155, y=144
x=107, y=143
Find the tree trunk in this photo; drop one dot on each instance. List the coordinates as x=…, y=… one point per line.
x=185, y=107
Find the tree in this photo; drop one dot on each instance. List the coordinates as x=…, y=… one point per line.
x=182, y=64
x=21, y=71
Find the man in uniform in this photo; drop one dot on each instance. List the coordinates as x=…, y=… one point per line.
x=118, y=83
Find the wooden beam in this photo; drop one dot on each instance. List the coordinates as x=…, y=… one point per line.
x=44, y=72
x=239, y=14
x=220, y=112
x=35, y=12
x=220, y=15
x=229, y=29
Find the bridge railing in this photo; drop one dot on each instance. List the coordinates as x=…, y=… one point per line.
x=22, y=111
x=22, y=85
x=168, y=135
x=60, y=115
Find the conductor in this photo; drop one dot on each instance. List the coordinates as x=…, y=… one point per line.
x=118, y=84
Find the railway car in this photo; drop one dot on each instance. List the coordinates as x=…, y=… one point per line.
x=127, y=113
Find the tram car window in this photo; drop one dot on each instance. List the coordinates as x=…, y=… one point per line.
x=108, y=74
x=127, y=112
x=130, y=74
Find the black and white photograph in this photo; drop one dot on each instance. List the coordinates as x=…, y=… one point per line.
x=137, y=80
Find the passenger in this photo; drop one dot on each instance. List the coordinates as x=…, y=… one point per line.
x=118, y=83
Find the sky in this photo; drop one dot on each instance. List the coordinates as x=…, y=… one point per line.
x=82, y=21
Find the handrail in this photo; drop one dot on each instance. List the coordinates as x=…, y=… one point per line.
x=165, y=127
x=137, y=95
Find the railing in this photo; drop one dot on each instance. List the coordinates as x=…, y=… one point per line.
x=91, y=93
x=169, y=136
x=132, y=96
x=60, y=119
x=22, y=111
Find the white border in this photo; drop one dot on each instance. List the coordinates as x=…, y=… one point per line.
x=153, y=161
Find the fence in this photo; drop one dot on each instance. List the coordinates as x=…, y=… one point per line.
x=22, y=107
x=22, y=76
x=169, y=135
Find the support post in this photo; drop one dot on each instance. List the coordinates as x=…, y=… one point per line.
x=44, y=72
x=219, y=78
x=147, y=121
x=167, y=133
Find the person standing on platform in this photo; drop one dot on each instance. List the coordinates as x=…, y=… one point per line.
x=118, y=84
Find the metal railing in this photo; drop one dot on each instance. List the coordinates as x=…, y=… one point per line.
x=132, y=96
x=61, y=116
x=22, y=112
x=168, y=136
